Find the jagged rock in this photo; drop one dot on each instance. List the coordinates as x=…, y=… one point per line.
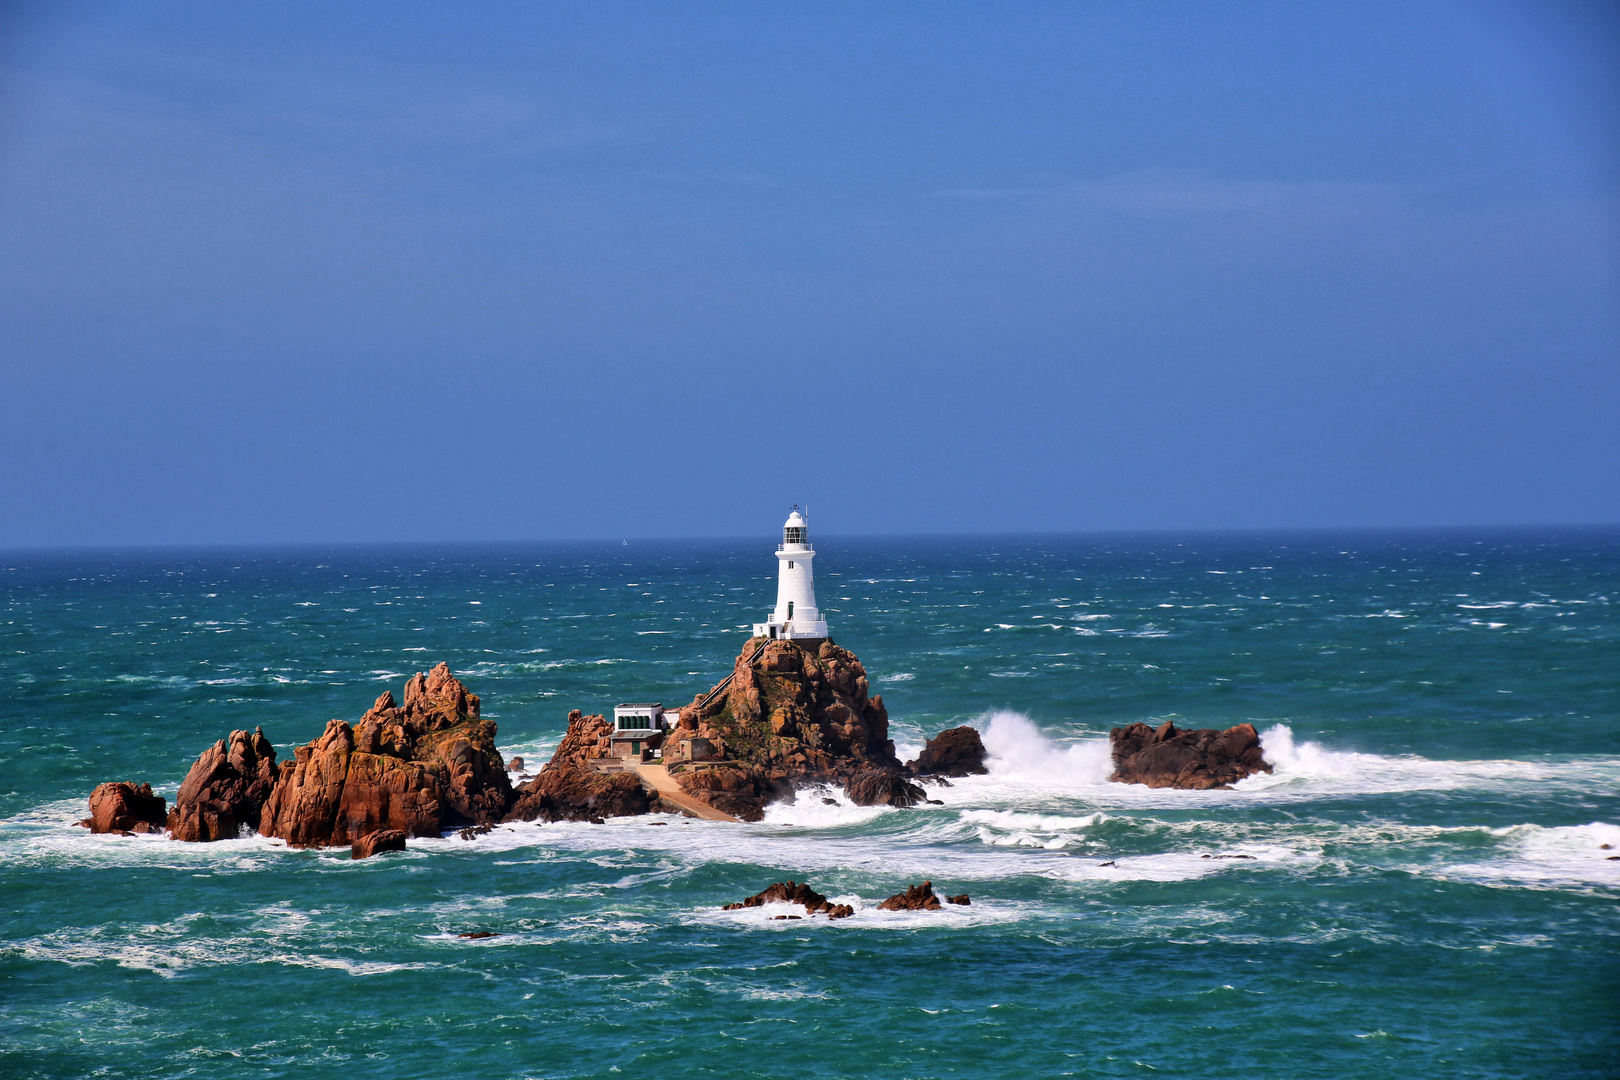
x=569, y=788
x=956, y=751
x=441, y=727
x=413, y=768
x=585, y=739
x=515, y=765
x=739, y=790
x=788, y=892
x=226, y=788
x=118, y=807
x=375, y=843
x=882, y=787
x=790, y=714
x=962, y=899
x=1198, y=759
x=579, y=793
x=390, y=793
x=303, y=807
x=916, y=898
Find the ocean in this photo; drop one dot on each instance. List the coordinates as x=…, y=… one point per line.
x=1426, y=885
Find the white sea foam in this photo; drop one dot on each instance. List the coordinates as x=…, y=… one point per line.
x=1018, y=751
x=1558, y=857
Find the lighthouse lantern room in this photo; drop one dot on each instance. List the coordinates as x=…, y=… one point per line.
x=796, y=616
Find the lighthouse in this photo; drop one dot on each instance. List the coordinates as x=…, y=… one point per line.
x=796, y=615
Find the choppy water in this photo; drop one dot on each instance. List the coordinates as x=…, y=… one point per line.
x=1426, y=892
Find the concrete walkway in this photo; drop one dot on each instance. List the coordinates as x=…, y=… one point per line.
x=658, y=777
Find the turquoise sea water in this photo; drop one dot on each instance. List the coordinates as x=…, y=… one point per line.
x=1427, y=892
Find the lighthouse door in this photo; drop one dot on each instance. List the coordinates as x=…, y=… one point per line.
x=790, y=609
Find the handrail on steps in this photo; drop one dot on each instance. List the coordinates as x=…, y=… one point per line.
x=725, y=682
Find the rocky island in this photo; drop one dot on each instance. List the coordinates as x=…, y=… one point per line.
x=796, y=711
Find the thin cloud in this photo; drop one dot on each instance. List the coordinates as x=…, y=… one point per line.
x=1181, y=194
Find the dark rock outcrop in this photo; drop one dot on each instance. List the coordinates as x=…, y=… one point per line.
x=226, y=788
x=788, y=892
x=515, y=765
x=957, y=751
x=125, y=808
x=1198, y=759
x=916, y=898
x=376, y=843
x=962, y=899
x=882, y=787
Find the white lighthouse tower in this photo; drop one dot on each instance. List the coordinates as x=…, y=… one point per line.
x=796, y=615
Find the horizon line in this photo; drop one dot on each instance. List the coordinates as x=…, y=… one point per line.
x=620, y=539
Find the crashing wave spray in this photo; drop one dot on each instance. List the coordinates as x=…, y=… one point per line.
x=1017, y=750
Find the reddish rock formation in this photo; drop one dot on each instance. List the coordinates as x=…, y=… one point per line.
x=962, y=899
x=440, y=721
x=376, y=843
x=790, y=714
x=787, y=892
x=580, y=793
x=740, y=789
x=570, y=788
x=1198, y=759
x=414, y=768
x=956, y=751
x=225, y=789
x=303, y=807
x=916, y=898
x=125, y=808
x=515, y=765
x=585, y=739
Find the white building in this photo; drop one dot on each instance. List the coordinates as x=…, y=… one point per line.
x=635, y=726
x=796, y=615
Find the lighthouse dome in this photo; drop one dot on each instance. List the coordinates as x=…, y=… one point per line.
x=795, y=530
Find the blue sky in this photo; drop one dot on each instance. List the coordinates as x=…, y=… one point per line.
x=327, y=272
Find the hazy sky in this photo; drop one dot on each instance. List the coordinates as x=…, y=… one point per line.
x=282, y=272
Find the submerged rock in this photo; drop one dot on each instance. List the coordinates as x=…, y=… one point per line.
x=376, y=843
x=788, y=892
x=1197, y=759
x=957, y=751
x=916, y=898
x=226, y=788
x=118, y=807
